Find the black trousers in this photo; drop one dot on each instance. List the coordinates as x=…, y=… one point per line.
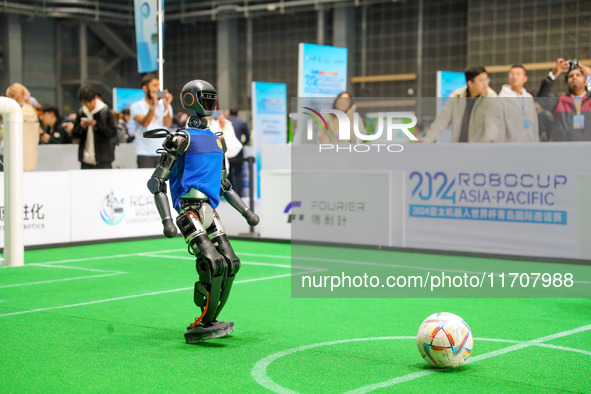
x=84, y=166
x=235, y=175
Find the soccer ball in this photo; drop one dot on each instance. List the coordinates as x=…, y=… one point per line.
x=444, y=340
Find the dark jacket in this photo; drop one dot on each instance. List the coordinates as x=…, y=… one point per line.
x=240, y=129
x=58, y=134
x=563, y=110
x=105, y=135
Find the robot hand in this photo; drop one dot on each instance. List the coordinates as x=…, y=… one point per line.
x=161, y=200
x=251, y=217
x=170, y=229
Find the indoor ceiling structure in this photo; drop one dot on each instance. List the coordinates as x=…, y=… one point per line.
x=121, y=11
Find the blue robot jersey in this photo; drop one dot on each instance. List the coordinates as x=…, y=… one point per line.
x=200, y=168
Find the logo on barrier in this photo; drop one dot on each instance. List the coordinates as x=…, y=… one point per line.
x=501, y=197
x=344, y=131
x=292, y=216
x=33, y=216
x=325, y=213
x=112, y=209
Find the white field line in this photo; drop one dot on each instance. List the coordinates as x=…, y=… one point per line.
x=242, y=262
x=570, y=349
x=160, y=252
x=259, y=370
x=81, y=259
x=61, y=280
x=367, y=263
x=76, y=268
x=148, y=294
x=166, y=251
x=522, y=345
x=105, y=273
x=151, y=254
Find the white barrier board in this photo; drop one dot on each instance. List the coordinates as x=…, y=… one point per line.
x=110, y=204
x=322, y=206
x=46, y=208
x=88, y=205
x=275, y=204
x=491, y=198
x=58, y=157
x=584, y=216
x=495, y=199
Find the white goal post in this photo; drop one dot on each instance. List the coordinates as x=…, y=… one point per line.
x=14, y=252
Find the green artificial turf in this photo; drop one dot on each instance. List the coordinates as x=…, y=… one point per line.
x=111, y=317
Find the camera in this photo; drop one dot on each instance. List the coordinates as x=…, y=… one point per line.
x=160, y=94
x=572, y=64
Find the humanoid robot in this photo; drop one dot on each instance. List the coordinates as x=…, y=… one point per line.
x=193, y=160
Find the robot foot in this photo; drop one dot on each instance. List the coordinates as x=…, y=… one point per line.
x=200, y=333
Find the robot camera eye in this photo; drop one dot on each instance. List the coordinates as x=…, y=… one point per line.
x=208, y=101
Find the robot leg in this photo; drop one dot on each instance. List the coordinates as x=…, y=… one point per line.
x=222, y=244
x=212, y=270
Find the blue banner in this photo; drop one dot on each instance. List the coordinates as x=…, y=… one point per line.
x=269, y=118
x=322, y=70
x=146, y=35
x=447, y=82
x=124, y=97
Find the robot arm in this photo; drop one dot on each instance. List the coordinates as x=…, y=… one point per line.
x=235, y=201
x=173, y=147
x=232, y=197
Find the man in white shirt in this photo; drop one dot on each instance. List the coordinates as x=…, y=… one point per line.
x=518, y=111
x=219, y=123
x=152, y=112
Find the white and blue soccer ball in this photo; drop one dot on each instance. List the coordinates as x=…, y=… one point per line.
x=444, y=340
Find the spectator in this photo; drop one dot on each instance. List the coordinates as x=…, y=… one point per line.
x=123, y=124
x=56, y=130
x=517, y=109
x=31, y=128
x=473, y=116
x=545, y=119
x=571, y=120
x=71, y=117
x=129, y=123
x=343, y=102
x=182, y=118
x=95, y=127
x=243, y=135
x=417, y=131
x=219, y=124
x=121, y=128
x=152, y=112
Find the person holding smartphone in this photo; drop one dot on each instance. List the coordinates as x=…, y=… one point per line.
x=571, y=110
x=95, y=129
x=152, y=112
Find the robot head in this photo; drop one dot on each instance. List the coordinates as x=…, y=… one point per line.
x=199, y=96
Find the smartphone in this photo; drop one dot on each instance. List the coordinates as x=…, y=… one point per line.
x=85, y=119
x=160, y=94
x=216, y=114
